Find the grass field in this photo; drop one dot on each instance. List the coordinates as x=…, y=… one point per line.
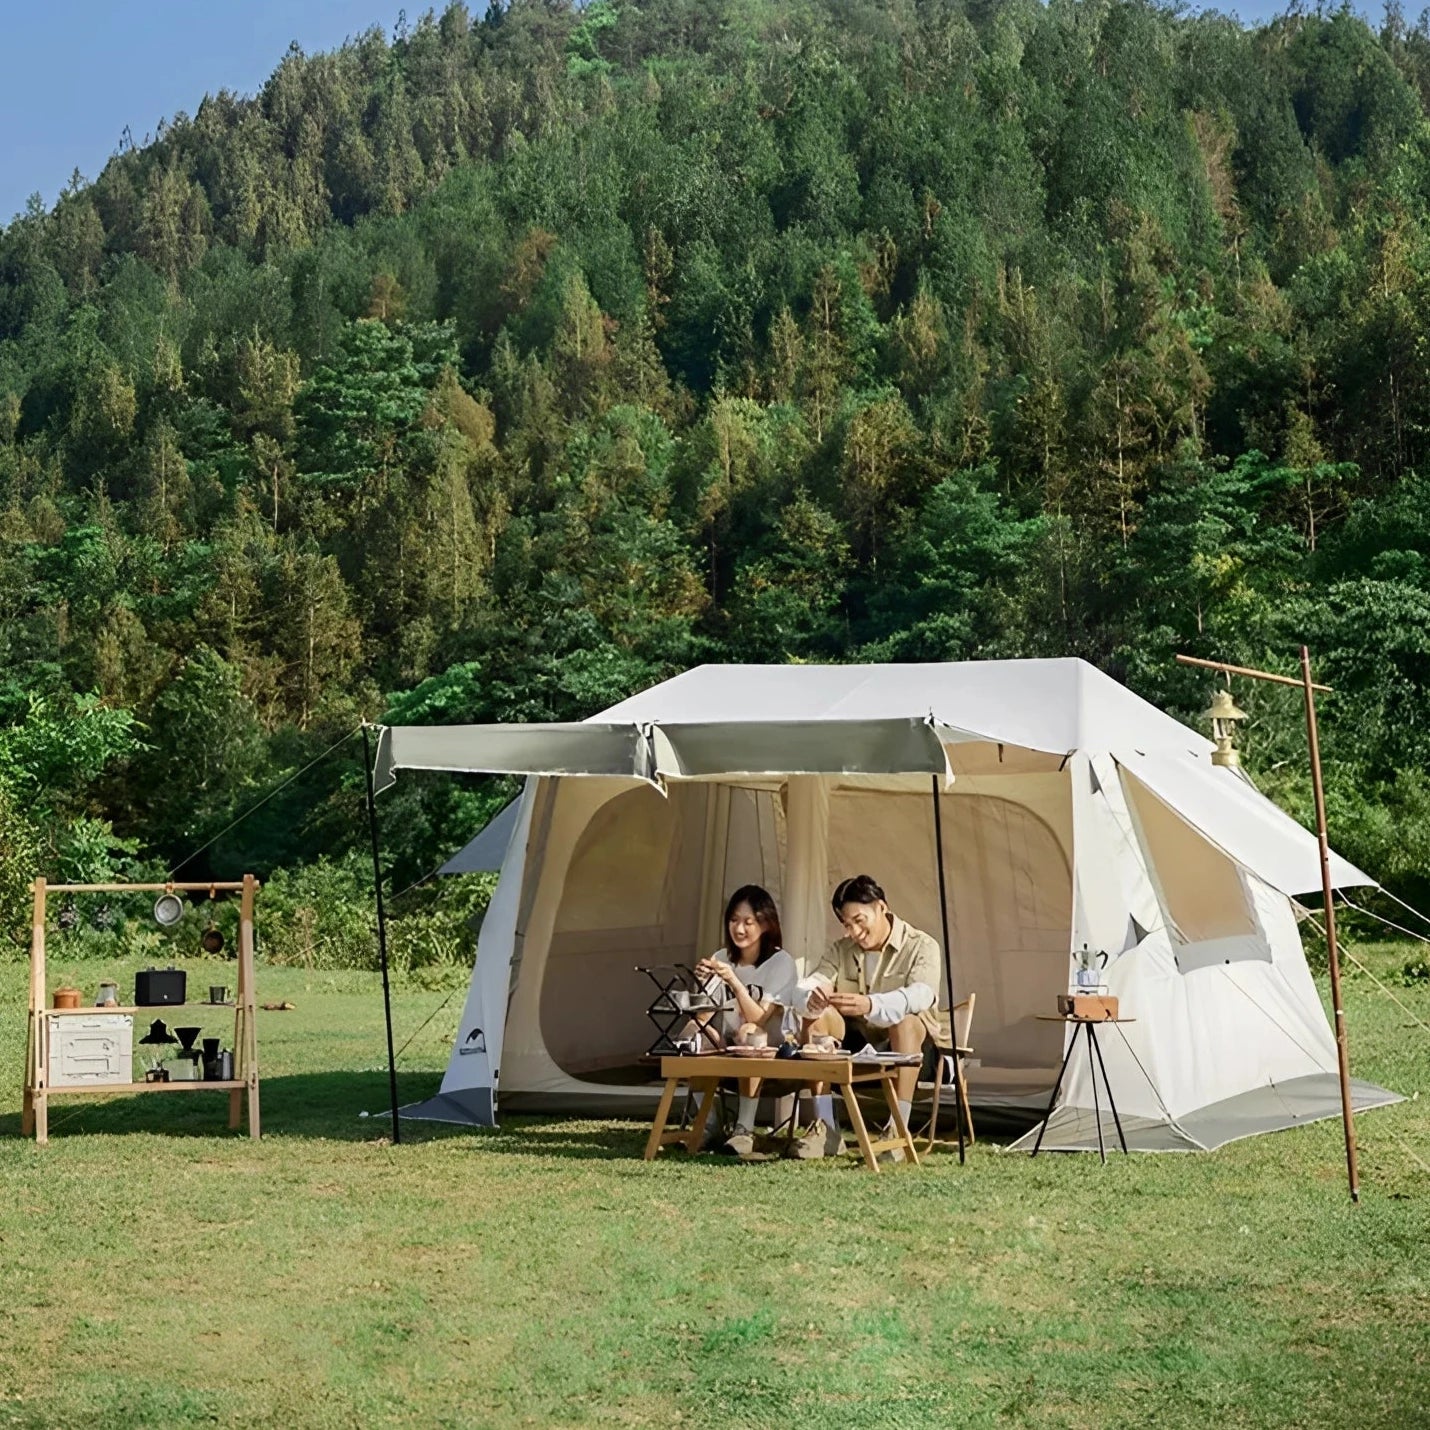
x=156, y=1270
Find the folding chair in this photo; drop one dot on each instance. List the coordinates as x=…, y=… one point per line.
x=962, y=1021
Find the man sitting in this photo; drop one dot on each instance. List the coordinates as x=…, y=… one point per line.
x=878, y=984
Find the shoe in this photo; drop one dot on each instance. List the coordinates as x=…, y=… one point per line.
x=891, y=1155
x=715, y=1137
x=820, y=1141
x=740, y=1143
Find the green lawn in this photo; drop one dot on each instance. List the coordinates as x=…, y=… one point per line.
x=159, y=1271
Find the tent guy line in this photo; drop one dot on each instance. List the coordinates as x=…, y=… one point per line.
x=253, y=809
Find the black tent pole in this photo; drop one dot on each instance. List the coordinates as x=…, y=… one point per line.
x=381, y=930
x=947, y=969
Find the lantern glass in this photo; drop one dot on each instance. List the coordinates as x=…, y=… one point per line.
x=1224, y=715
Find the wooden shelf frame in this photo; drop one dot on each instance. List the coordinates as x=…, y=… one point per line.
x=103, y=1089
x=135, y=1008
x=242, y=1089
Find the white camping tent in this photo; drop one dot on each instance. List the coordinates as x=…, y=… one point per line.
x=1074, y=814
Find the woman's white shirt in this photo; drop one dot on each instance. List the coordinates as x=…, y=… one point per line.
x=776, y=978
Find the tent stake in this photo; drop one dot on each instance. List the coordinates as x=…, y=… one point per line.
x=381, y=931
x=947, y=973
x=1343, y=1061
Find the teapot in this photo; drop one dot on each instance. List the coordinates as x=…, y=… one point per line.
x=1089, y=969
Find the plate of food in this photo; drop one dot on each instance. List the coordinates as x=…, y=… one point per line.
x=825, y=1055
x=739, y=1051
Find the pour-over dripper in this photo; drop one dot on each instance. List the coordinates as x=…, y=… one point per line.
x=187, y=1038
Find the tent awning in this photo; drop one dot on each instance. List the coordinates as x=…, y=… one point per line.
x=801, y=747
x=1240, y=821
x=677, y=751
x=576, y=749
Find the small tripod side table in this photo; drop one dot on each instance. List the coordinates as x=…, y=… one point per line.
x=1095, y=1063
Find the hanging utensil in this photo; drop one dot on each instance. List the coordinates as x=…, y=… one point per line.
x=168, y=910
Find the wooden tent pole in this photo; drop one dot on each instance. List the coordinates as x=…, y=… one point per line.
x=947, y=970
x=1343, y=1061
x=245, y=1050
x=35, y=1108
x=381, y=930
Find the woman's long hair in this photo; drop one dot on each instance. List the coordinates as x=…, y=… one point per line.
x=763, y=908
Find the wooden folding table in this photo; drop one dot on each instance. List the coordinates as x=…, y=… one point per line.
x=704, y=1071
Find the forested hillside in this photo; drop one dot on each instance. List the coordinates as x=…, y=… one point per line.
x=501, y=367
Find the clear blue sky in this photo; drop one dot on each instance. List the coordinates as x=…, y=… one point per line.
x=73, y=73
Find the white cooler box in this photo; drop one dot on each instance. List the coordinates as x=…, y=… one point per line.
x=91, y=1048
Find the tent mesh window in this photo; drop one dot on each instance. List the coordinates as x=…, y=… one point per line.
x=1203, y=893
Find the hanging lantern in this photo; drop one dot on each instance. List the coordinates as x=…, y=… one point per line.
x=1223, y=715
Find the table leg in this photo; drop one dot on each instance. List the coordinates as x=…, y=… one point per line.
x=1057, y=1088
x=856, y=1120
x=662, y=1112
x=42, y=1118
x=897, y=1118
x=708, y=1088
x=1116, y=1120
x=1092, y=1077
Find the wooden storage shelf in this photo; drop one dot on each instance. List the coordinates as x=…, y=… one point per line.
x=136, y=1009
x=242, y=1088
x=101, y=1089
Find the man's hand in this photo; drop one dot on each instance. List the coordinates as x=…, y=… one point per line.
x=818, y=1000
x=851, y=1005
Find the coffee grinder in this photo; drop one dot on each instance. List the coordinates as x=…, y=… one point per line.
x=186, y=1066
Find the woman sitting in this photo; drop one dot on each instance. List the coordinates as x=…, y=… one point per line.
x=759, y=980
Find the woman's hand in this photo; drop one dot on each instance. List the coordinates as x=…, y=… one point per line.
x=715, y=968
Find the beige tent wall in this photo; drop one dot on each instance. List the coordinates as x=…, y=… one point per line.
x=632, y=879
x=1007, y=863
x=569, y=806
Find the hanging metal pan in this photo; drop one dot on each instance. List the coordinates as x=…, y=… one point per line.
x=168, y=910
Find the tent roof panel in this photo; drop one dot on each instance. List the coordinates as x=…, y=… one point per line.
x=1052, y=705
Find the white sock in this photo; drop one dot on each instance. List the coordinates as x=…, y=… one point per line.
x=905, y=1108
x=824, y=1108
x=749, y=1108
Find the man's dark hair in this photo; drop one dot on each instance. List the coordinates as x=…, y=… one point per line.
x=861, y=889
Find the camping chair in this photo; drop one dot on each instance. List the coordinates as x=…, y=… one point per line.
x=961, y=1045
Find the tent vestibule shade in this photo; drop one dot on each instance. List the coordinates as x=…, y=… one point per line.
x=682, y=750
x=1074, y=815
